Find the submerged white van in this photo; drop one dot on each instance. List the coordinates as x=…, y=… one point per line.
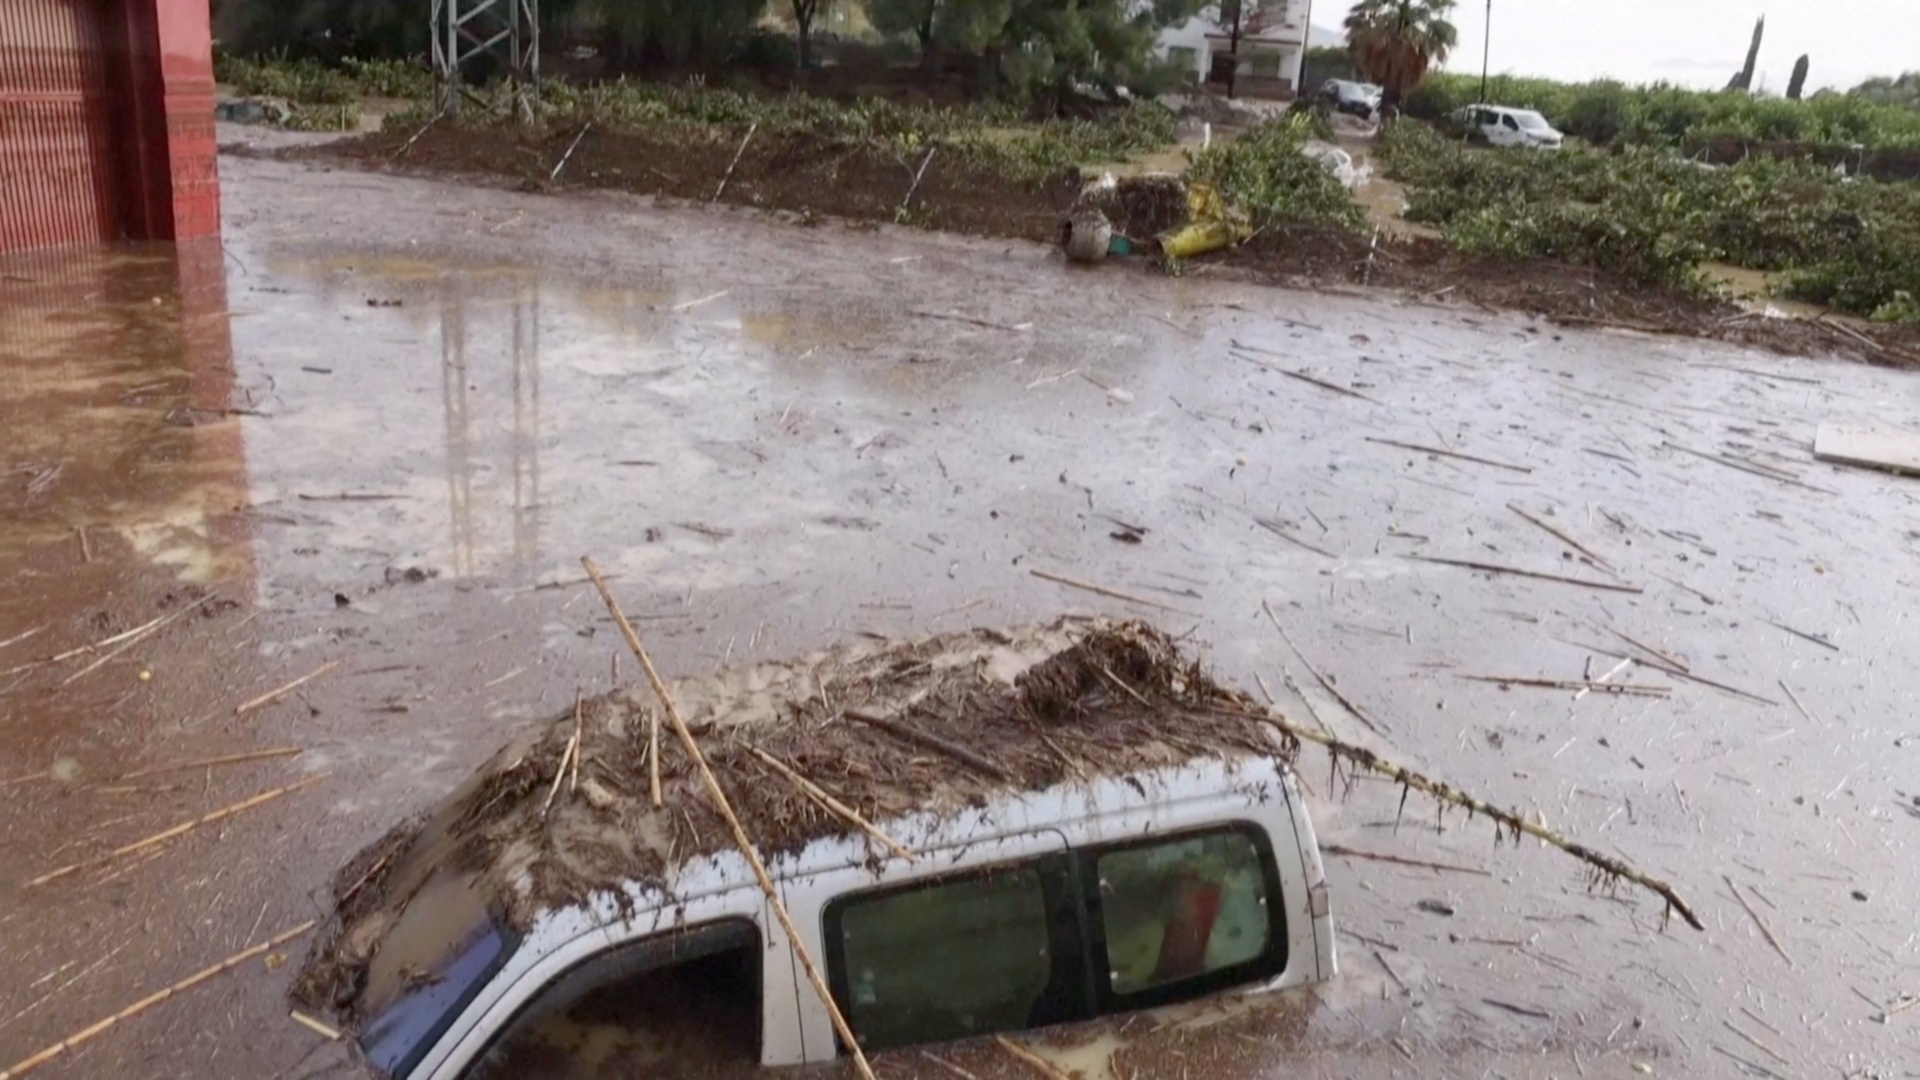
x=1142, y=842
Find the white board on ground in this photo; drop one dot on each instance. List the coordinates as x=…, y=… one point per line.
x=1874, y=448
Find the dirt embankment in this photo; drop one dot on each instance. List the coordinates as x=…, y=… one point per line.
x=802, y=174
x=815, y=176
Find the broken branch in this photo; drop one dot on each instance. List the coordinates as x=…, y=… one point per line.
x=1446, y=793
x=1039, y=1064
x=1442, y=452
x=1102, y=590
x=1680, y=673
x=1568, y=540
x=1325, y=683
x=1754, y=468
x=566, y=758
x=27, y=1065
x=932, y=742
x=1275, y=529
x=1803, y=635
x=1765, y=930
x=901, y=213
x=735, y=163
x=1302, y=376
x=633, y=642
x=833, y=805
x=568, y=156
x=1575, y=684
x=740, y=837
x=208, y=763
x=178, y=830
x=1495, y=568
x=324, y=1031
x=272, y=696
x=1355, y=853
x=1648, y=649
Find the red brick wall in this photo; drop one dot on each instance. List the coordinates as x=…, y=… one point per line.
x=106, y=122
x=164, y=70
x=186, y=72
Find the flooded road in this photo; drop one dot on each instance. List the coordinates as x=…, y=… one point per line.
x=369, y=441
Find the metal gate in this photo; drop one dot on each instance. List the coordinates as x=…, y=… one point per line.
x=57, y=169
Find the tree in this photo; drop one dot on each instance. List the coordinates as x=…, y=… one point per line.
x=328, y=30
x=646, y=33
x=1798, y=84
x=1904, y=90
x=1052, y=48
x=964, y=26
x=1395, y=42
x=804, y=12
x=1743, y=80
x=1233, y=17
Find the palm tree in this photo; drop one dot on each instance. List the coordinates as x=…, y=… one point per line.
x=1394, y=42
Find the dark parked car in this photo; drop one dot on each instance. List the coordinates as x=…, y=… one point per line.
x=1353, y=98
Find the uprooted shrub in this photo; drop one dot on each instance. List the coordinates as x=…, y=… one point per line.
x=1265, y=173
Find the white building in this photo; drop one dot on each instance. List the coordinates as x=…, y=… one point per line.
x=1273, y=42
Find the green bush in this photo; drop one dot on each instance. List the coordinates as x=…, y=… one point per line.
x=1611, y=113
x=309, y=82
x=303, y=82
x=1264, y=173
x=994, y=132
x=410, y=79
x=1651, y=216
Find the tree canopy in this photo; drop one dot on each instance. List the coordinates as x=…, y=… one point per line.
x=1043, y=48
x=1396, y=42
x=1885, y=90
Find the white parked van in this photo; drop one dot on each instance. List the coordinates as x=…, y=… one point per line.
x=1153, y=869
x=1502, y=126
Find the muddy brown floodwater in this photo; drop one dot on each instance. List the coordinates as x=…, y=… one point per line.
x=380, y=428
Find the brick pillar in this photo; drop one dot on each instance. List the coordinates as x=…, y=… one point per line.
x=168, y=154
x=186, y=70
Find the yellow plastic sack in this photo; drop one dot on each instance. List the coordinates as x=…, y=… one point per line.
x=1213, y=225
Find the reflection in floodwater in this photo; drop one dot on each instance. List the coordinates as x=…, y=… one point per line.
x=120, y=410
x=523, y=440
x=556, y=397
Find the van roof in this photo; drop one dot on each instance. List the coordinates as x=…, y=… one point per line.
x=1036, y=706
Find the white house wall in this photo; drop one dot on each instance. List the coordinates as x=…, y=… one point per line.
x=1204, y=37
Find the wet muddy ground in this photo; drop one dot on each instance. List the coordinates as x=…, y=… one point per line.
x=369, y=441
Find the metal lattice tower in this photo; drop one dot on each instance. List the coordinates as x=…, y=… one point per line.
x=477, y=39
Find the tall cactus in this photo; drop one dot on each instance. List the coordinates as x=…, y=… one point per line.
x=1744, y=80
x=1798, y=84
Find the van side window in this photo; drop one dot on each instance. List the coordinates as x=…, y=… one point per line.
x=1509, y=123
x=959, y=956
x=1183, y=917
x=683, y=1000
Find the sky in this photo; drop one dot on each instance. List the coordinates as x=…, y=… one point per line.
x=1696, y=43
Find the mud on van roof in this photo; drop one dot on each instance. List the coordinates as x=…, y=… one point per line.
x=888, y=727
